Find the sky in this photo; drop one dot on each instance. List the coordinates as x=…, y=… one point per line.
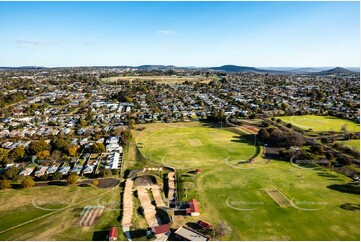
x=204, y=34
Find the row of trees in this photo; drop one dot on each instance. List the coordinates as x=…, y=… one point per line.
x=276, y=137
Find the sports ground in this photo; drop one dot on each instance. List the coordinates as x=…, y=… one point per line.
x=53, y=212
x=262, y=200
x=320, y=123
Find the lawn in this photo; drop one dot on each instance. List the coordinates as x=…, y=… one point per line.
x=354, y=144
x=194, y=144
x=325, y=206
x=20, y=206
x=320, y=123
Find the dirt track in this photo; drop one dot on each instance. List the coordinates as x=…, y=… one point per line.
x=149, y=208
x=127, y=203
x=171, y=186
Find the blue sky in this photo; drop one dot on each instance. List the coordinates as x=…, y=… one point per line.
x=261, y=34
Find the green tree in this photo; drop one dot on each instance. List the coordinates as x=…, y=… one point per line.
x=57, y=176
x=38, y=146
x=71, y=150
x=11, y=172
x=72, y=179
x=42, y=155
x=329, y=156
x=28, y=182
x=105, y=173
x=60, y=144
x=98, y=148
x=5, y=184
x=253, y=116
x=128, y=99
x=17, y=153
x=3, y=154
x=131, y=123
x=82, y=123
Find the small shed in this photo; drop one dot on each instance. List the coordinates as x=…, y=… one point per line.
x=113, y=234
x=193, y=209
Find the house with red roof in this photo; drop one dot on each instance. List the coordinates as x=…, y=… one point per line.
x=193, y=209
x=161, y=229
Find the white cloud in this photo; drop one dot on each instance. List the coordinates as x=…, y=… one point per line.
x=32, y=42
x=166, y=32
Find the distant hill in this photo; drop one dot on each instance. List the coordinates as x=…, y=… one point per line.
x=310, y=69
x=335, y=71
x=23, y=68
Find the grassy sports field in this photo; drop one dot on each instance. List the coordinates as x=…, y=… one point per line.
x=198, y=145
x=320, y=123
x=323, y=205
x=21, y=206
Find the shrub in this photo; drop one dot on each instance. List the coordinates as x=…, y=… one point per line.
x=28, y=182
x=72, y=179
x=4, y=184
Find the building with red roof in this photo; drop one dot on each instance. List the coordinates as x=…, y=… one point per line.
x=113, y=234
x=161, y=229
x=193, y=209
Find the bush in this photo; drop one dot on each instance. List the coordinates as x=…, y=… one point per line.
x=18, y=178
x=28, y=182
x=95, y=182
x=11, y=172
x=222, y=228
x=114, y=171
x=105, y=173
x=325, y=140
x=57, y=176
x=4, y=184
x=44, y=177
x=72, y=179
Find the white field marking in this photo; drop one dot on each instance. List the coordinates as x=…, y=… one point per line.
x=239, y=209
x=297, y=166
x=305, y=209
x=244, y=168
x=195, y=142
x=46, y=209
